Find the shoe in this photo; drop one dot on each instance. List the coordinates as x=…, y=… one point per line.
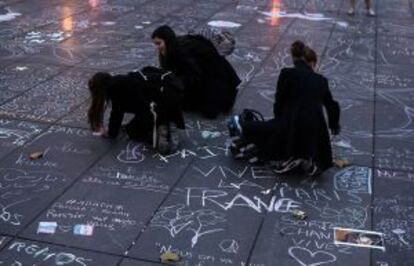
x=250, y=151
x=370, y=12
x=236, y=143
x=248, y=148
x=314, y=171
x=163, y=145
x=235, y=152
x=351, y=11
x=234, y=127
x=247, y=152
x=288, y=166
x=309, y=168
x=238, y=155
x=174, y=138
x=254, y=160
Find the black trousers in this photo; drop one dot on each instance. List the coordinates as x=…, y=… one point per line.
x=264, y=134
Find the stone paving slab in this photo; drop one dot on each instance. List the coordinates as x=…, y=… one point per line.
x=199, y=202
x=21, y=252
x=111, y=196
x=22, y=76
x=28, y=186
x=393, y=215
x=50, y=100
x=15, y=134
x=289, y=241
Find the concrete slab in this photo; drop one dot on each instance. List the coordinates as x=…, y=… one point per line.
x=21, y=252
x=28, y=186
x=199, y=202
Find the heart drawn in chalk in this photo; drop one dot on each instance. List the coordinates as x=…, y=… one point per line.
x=306, y=257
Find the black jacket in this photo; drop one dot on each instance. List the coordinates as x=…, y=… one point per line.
x=210, y=82
x=302, y=132
x=134, y=93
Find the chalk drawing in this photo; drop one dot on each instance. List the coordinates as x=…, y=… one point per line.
x=305, y=16
x=305, y=257
x=176, y=218
x=133, y=153
x=223, y=24
x=229, y=246
x=354, y=179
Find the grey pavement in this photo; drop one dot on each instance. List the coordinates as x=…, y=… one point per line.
x=199, y=203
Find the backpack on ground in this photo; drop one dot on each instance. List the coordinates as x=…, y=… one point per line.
x=222, y=40
x=250, y=115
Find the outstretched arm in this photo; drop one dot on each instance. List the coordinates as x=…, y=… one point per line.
x=333, y=110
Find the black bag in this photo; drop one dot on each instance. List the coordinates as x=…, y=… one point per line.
x=223, y=40
x=250, y=115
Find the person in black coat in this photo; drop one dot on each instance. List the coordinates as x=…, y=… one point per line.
x=152, y=95
x=298, y=135
x=210, y=82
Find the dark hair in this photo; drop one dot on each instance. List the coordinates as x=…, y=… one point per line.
x=310, y=55
x=98, y=85
x=164, y=32
x=297, y=50
x=167, y=34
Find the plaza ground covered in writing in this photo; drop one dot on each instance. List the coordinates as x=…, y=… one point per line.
x=91, y=201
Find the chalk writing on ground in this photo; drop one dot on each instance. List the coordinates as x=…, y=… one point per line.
x=22, y=132
x=200, y=258
x=396, y=221
x=133, y=153
x=41, y=253
x=306, y=257
x=229, y=246
x=131, y=180
x=177, y=218
x=104, y=215
x=354, y=179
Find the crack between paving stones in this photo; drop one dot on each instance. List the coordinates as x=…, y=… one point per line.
x=374, y=124
x=145, y=227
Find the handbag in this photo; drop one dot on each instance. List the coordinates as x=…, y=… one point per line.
x=248, y=115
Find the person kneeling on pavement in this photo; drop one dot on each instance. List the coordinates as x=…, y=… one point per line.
x=297, y=138
x=152, y=95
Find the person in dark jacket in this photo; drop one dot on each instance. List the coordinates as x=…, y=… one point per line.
x=210, y=82
x=152, y=95
x=298, y=135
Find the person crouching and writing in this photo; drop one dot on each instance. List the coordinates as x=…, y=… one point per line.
x=152, y=95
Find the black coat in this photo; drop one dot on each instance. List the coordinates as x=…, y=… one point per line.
x=299, y=129
x=210, y=82
x=300, y=97
x=134, y=93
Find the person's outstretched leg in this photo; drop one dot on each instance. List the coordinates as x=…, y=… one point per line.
x=351, y=10
x=370, y=10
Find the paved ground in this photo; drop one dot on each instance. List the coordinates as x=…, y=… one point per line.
x=200, y=203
